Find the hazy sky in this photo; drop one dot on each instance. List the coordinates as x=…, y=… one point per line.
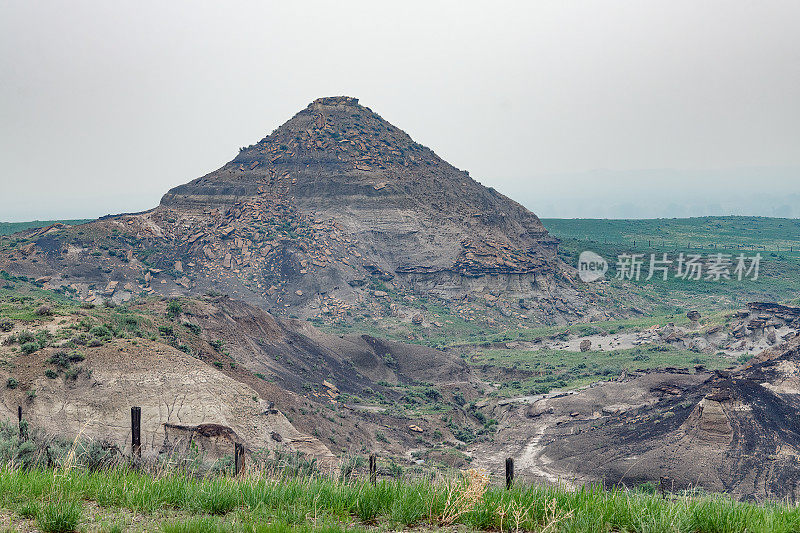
x=574, y=108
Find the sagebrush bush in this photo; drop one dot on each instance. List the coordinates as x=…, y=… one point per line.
x=29, y=347
x=101, y=332
x=81, y=339
x=60, y=358
x=25, y=336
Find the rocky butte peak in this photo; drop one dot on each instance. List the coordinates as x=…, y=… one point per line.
x=313, y=217
x=334, y=101
x=397, y=208
x=334, y=143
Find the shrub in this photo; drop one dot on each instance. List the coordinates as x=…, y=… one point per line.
x=217, y=345
x=174, y=308
x=25, y=336
x=50, y=373
x=72, y=373
x=60, y=359
x=82, y=339
x=395, y=470
x=432, y=394
x=12, y=383
x=351, y=467
x=44, y=310
x=14, y=449
x=29, y=347
x=6, y=325
x=166, y=331
x=194, y=328
x=101, y=332
x=44, y=337
x=98, y=455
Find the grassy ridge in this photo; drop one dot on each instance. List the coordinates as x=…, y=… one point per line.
x=773, y=238
x=775, y=234
x=64, y=500
x=7, y=228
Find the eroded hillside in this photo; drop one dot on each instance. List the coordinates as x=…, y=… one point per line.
x=216, y=371
x=335, y=215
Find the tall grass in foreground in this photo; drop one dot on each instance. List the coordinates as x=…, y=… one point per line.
x=251, y=503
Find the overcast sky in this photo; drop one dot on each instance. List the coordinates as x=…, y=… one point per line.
x=574, y=108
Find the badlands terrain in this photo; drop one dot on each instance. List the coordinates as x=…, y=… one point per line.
x=338, y=289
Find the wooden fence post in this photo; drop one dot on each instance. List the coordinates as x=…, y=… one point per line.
x=663, y=481
x=23, y=426
x=238, y=458
x=136, y=432
x=373, y=469
x=509, y=472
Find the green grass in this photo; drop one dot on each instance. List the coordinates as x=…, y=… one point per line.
x=544, y=370
x=58, y=499
x=7, y=228
x=59, y=516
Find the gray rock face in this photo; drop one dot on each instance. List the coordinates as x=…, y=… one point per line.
x=411, y=211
